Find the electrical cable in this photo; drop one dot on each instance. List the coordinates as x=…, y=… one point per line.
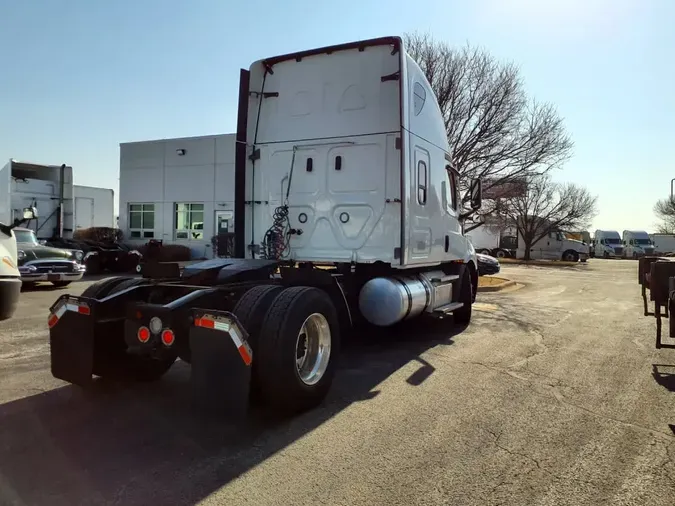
x=276, y=240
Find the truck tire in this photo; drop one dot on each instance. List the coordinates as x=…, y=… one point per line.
x=111, y=360
x=462, y=316
x=570, y=256
x=500, y=253
x=298, y=347
x=250, y=310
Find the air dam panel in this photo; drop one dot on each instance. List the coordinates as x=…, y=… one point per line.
x=386, y=301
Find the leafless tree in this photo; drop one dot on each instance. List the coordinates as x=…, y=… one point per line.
x=665, y=211
x=495, y=132
x=547, y=206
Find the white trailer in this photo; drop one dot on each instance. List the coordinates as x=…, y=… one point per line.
x=94, y=207
x=50, y=188
x=663, y=243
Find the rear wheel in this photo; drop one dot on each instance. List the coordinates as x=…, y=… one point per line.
x=298, y=346
x=500, y=253
x=111, y=358
x=250, y=310
x=570, y=256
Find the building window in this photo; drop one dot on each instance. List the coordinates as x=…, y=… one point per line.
x=422, y=182
x=189, y=221
x=141, y=221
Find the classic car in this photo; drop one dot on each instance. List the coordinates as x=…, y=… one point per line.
x=38, y=262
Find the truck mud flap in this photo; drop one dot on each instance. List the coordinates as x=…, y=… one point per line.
x=221, y=364
x=71, y=339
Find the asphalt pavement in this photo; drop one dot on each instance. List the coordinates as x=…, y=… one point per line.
x=554, y=395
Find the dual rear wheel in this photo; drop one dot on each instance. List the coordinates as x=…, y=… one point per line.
x=295, y=337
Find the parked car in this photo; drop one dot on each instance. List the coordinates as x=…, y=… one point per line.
x=487, y=265
x=38, y=262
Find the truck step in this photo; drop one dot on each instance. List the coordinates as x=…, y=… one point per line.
x=447, y=309
x=445, y=279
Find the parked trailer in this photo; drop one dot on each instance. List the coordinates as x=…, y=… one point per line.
x=270, y=320
x=62, y=206
x=664, y=244
x=94, y=207
x=494, y=241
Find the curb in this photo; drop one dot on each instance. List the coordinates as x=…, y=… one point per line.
x=539, y=263
x=496, y=288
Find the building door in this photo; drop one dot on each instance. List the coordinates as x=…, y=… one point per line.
x=224, y=233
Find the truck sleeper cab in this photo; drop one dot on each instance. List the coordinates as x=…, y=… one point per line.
x=607, y=244
x=347, y=211
x=636, y=244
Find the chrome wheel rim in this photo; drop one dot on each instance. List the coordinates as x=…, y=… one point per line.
x=312, y=349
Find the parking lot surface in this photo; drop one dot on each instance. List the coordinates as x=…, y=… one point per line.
x=554, y=395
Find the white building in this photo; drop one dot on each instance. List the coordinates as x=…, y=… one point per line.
x=177, y=190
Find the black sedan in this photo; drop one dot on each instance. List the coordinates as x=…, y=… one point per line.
x=487, y=265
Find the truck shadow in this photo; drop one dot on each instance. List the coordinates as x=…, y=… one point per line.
x=143, y=444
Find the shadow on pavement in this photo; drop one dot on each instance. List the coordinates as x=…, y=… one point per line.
x=142, y=444
x=664, y=375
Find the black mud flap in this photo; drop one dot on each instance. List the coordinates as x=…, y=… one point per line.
x=71, y=339
x=221, y=364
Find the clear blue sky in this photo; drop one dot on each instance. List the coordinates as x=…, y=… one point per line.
x=77, y=77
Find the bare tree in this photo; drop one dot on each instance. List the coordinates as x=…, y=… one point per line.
x=496, y=132
x=547, y=206
x=665, y=211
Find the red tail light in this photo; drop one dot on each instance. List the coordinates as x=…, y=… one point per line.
x=143, y=334
x=168, y=337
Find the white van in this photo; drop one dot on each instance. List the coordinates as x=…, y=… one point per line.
x=607, y=244
x=637, y=243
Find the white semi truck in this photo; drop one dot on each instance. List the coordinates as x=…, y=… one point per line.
x=62, y=206
x=343, y=163
x=636, y=244
x=607, y=244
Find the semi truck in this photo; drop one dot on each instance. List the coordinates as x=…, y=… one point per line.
x=10, y=277
x=636, y=244
x=347, y=212
x=62, y=206
x=607, y=244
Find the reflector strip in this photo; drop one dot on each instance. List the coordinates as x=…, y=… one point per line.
x=61, y=310
x=243, y=347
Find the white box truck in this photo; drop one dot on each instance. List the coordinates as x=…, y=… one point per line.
x=636, y=243
x=347, y=211
x=607, y=244
x=62, y=207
